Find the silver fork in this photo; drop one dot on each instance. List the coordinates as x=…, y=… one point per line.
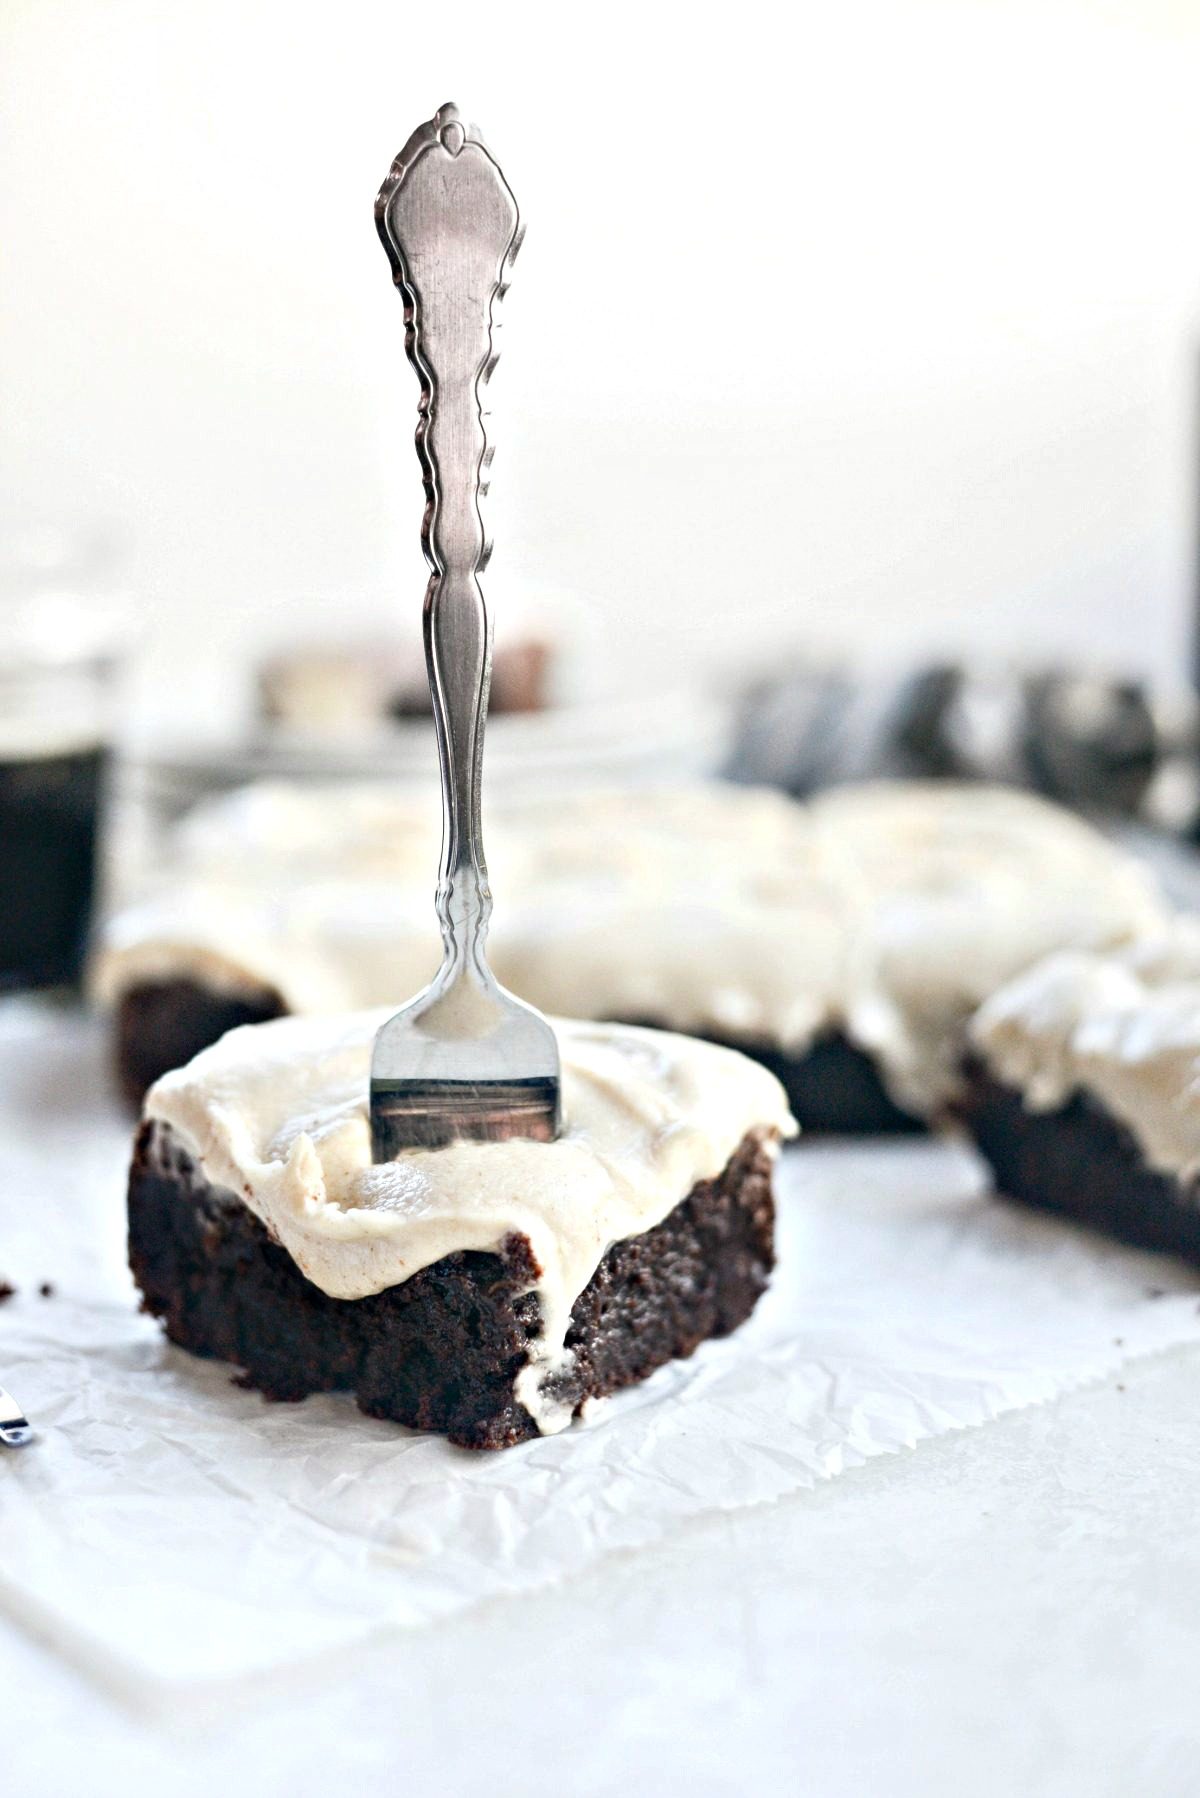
x=15, y=1429
x=464, y=1059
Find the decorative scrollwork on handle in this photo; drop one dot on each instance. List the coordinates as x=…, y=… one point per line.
x=450, y=226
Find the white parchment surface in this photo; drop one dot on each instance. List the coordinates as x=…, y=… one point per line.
x=172, y=1533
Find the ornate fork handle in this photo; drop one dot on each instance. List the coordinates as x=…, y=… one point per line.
x=450, y=226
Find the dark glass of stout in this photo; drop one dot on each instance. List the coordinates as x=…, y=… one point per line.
x=55, y=716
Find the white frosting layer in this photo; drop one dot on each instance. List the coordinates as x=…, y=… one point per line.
x=278, y=1115
x=1123, y=1027
x=889, y=911
x=956, y=888
x=701, y=908
x=698, y=908
x=323, y=946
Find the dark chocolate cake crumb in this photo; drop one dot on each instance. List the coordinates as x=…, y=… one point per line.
x=833, y=1087
x=1080, y=1162
x=46, y=1289
x=6, y=1291
x=161, y=1024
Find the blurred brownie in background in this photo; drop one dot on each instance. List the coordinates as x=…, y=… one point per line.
x=844, y=943
x=1083, y=1089
x=338, y=690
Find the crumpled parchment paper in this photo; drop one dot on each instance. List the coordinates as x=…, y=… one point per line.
x=173, y=1534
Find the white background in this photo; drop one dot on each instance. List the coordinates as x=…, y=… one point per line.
x=868, y=324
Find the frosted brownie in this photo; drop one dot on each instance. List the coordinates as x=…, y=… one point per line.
x=844, y=944
x=698, y=909
x=485, y=1290
x=1083, y=1089
x=325, y=690
x=955, y=888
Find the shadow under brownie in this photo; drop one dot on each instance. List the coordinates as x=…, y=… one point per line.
x=442, y=1350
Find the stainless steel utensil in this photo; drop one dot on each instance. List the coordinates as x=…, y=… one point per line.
x=464, y=1059
x=15, y=1427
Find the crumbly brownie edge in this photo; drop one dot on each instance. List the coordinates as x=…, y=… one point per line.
x=442, y=1351
x=1080, y=1162
x=161, y=1024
